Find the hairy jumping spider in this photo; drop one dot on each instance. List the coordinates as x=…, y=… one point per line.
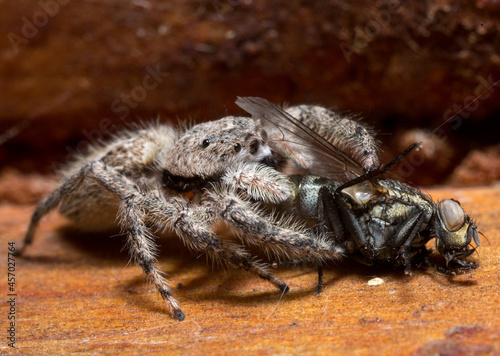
x=139, y=177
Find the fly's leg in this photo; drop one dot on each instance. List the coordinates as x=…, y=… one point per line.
x=329, y=220
x=328, y=216
x=351, y=224
x=405, y=238
x=438, y=268
x=319, y=289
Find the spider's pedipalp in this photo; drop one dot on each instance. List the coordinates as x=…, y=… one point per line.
x=260, y=182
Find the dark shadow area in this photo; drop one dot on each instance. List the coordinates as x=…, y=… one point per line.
x=229, y=289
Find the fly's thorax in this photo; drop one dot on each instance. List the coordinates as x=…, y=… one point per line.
x=383, y=208
x=408, y=201
x=406, y=194
x=392, y=214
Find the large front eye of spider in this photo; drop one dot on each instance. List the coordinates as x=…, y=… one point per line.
x=205, y=143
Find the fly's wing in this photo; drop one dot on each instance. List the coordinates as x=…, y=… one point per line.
x=291, y=138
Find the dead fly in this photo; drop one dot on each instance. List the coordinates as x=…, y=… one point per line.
x=373, y=219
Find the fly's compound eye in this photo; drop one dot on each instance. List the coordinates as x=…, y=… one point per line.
x=452, y=213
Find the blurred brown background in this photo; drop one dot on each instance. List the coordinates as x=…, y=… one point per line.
x=72, y=72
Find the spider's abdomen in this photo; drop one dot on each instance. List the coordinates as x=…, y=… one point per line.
x=132, y=155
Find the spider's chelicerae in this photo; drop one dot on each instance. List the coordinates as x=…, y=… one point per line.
x=139, y=176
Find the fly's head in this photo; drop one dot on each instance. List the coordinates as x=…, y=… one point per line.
x=455, y=231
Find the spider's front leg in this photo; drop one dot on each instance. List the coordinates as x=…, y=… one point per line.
x=266, y=185
x=284, y=240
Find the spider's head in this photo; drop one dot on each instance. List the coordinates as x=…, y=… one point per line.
x=208, y=150
x=455, y=231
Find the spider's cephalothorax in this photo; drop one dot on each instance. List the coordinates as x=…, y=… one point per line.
x=372, y=219
x=139, y=176
x=205, y=153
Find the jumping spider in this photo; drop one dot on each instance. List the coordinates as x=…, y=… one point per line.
x=139, y=177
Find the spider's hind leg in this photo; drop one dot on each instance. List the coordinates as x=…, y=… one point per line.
x=51, y=202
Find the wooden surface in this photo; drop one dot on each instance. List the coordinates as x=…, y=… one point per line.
x=76, y=293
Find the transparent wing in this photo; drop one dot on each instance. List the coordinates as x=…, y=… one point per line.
x=291, y=138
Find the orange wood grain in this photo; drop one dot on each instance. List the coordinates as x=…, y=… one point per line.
x=76, y=293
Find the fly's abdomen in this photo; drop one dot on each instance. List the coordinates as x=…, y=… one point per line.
x=303, y=202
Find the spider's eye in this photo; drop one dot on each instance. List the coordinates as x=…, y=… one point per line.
x=237, y=147
x=205, y=143
x=254, y=146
